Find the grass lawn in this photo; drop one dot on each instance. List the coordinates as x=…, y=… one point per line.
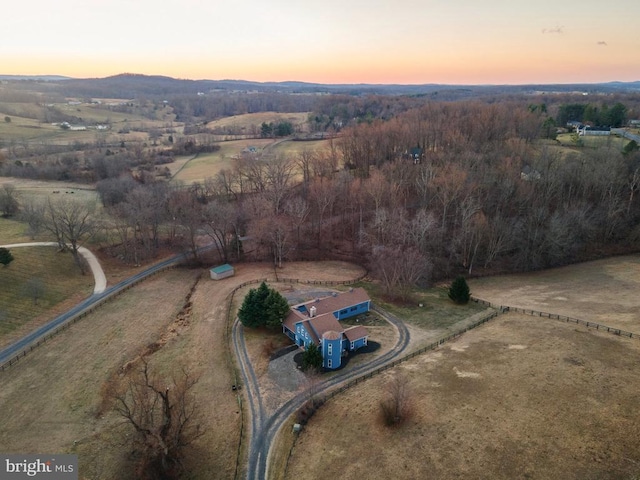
x=12, y=231
x=207, y=165
x=247, y=121
x=437, y=311
x=40, y=283
x=294, y=148
x=567, y=140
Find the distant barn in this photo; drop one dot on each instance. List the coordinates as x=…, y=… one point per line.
x=222, y=271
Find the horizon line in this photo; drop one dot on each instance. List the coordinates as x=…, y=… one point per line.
x=27, y=76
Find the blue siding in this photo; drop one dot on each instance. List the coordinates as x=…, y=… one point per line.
x=331, y=353
x=346, y=344
x=352, y=310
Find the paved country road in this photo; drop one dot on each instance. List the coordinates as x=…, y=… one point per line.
x=17, y=348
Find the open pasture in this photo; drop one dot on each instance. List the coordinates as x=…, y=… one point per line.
x=28, y=189
x=292, y=148
x=603, y=291
x=519, y=397
x=250, y=123
x=39, y=284
x=589, y=141
x=208, y=165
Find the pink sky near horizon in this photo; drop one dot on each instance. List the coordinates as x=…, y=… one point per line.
x=407, y=41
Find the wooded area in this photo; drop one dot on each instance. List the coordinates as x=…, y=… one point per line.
x=413, y=187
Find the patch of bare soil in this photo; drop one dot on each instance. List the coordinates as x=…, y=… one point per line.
x=519, y=397
x=603, y=291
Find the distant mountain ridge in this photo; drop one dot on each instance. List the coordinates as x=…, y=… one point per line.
x=40, y=78
x=133, y=85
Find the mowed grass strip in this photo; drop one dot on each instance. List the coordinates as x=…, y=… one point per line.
x=38, y=280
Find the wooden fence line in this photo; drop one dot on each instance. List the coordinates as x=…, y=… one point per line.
x=555, y=316
x=74, y=318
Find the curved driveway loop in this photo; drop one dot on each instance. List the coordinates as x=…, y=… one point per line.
x=98, y=274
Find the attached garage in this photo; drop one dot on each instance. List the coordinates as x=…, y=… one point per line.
x=222, y=271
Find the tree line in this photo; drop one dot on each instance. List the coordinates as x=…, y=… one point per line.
x=433, y=191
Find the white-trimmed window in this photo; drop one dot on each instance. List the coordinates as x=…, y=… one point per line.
x=329, y=349
x=353, y=345
x=329, y=363
x=365, y=341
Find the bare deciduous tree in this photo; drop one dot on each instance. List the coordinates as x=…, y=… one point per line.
x=397, y=402
x=164, y=417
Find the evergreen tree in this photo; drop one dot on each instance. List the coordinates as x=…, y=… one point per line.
x=263, y=306
x=5, y=256
x=249, y=313
x=459, y=291
x=311, y=357
x=276, y=309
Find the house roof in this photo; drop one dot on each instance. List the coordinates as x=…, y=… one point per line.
x=222, y=268
x=324, y=323
x=338, y=301
x=331, y=335
x=355, y=333
x=293, y=318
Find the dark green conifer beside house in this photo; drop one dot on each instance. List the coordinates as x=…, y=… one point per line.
x=263, y=306
x=311, y=357
x=276, y=309
x=459, y=291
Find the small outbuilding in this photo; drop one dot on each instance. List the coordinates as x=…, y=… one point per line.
x=222, y=271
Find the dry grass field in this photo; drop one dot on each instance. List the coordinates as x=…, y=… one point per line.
x=519, y=397
x=253, y=121
x=603, y=291
x=39, y=284
x=207, y=165
x=293, y=148
x=28, y=189
x=12, y=231
x=613, y=141
x=56, y=393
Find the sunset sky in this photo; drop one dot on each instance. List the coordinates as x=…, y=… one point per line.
x=330, y=41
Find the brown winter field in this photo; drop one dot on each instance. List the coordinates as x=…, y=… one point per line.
x=250, y=123
x=293, y=148
x=28, y=189
x=56, y=394
x=519, y=397
x=39, y=284
x=603, y=291
x=207, y=165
